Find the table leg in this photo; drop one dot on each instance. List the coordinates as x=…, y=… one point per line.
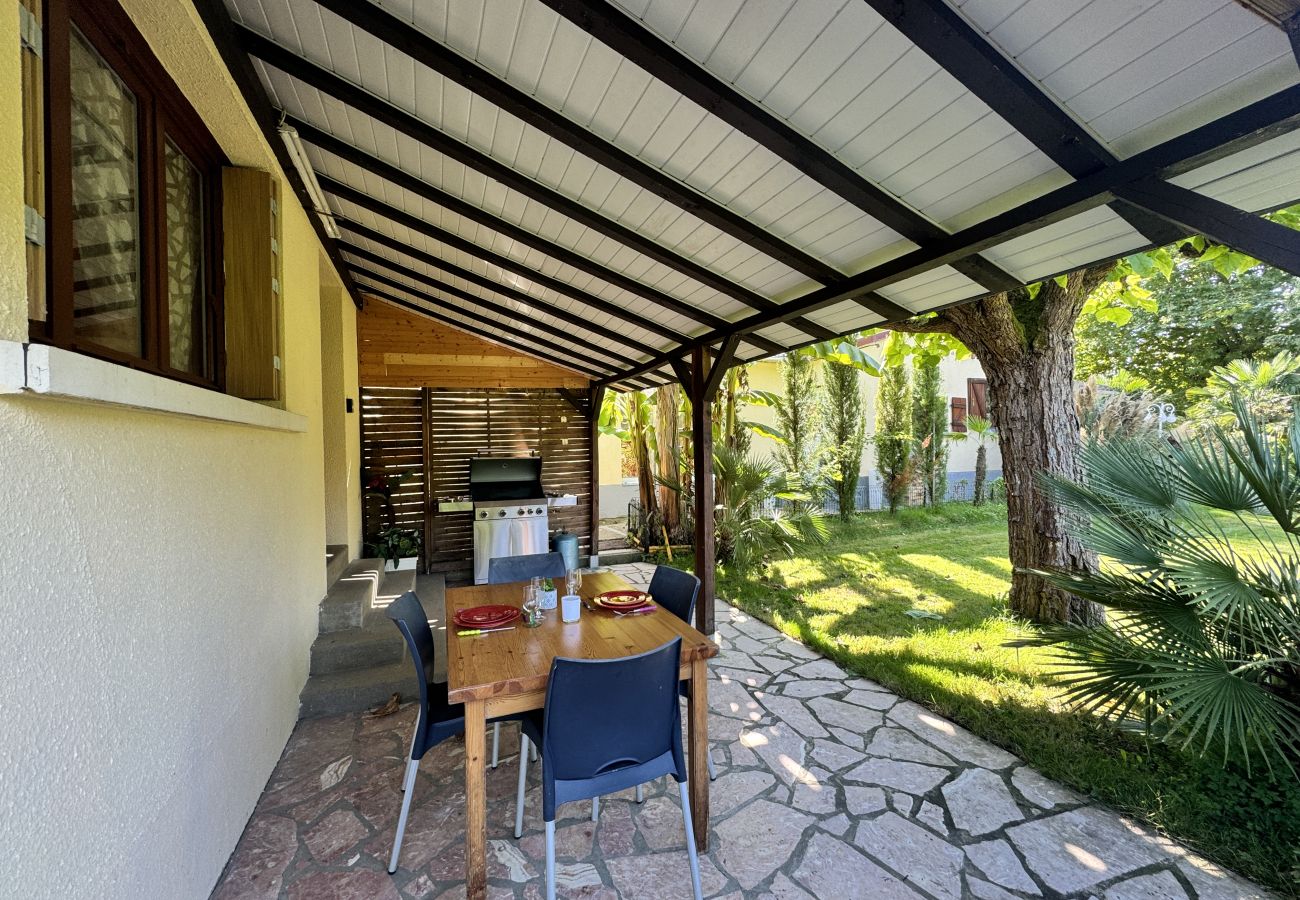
x=698, y=730
x=475, y=801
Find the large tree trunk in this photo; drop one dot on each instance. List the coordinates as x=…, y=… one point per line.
x=1032, y=405
x=1026, y=347
x=667, y=411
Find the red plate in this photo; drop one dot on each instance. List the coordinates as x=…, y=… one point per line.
x=485, y=616
x=622, y=599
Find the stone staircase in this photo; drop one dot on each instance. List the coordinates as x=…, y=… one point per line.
x=359, y=659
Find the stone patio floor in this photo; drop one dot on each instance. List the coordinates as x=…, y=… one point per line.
x=829, y=787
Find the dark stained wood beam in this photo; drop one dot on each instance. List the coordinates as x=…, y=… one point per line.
x=952, y=42
x=723, y=360
x=412, y=126
x=1253, y=124
x=514, y=293
x=1193, y=213
x=638, y=44
x=1292, y=28
x=419, y=46
x=224, y=35
x=702, y=453
x=330, y=143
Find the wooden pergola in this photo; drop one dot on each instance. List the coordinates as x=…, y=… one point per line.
x=655, y=190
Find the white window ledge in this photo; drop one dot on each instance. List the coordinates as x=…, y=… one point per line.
x=36, y=370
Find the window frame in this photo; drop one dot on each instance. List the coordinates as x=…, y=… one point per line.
x=162, y=113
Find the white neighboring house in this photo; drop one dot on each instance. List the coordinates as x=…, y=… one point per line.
x=963, y=383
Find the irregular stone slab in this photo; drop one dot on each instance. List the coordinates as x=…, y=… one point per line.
x=256, y=869
x=1214, y=883
x=820, y=798
x=790, y=647
x=781, y=749
x=817, y=687
x=836, y=825
x=834, y=756
x=951, y=739
x=741, y=755
x=924, y=860
x=334, y=834
x=785, y=889
x=904, y=776
x=740, y=676
x=357, y=885
x=659, y=822
x=831, y=868
x=848, y=738
x=1158, y=886
x=931, y=815
x=746, y=645
x=757, y=840
x=865, y=684
x=999, y=864
x=871, y=699
x=774, y=663
x=820, y=668
x=985, y=891
x=1074, y=850
x=979, y=802
x=734, y=789
x=1042, y=791
x=756, y=628
x=903, y=803
x=862, y=801
x=845, y=715
x=734, y=659
x=573, y=877
x=793, y=713
x=512, y=858
x=730, y=698
x=662, y=876
x=899, y=743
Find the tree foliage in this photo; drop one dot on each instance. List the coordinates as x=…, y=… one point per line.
x=981, y=430
x=845, y=431
x=930, y=431
x=1197, y=320
x=1268, y=387
x=798, y=415
x=894, y=428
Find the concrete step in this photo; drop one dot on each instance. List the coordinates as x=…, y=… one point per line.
x=351, y=595
x=391, y=586
x=327, y=695
x=618, y=557
x=376, y=644
x=336, y=561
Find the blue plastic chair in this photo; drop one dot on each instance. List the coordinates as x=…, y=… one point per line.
x=608, y=725
x=438, y=719
x=505, y=569
x=677, y=591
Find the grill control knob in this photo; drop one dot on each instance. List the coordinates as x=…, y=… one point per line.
x=501, y=513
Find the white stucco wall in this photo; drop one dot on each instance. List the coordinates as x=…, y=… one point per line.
x=161, y=577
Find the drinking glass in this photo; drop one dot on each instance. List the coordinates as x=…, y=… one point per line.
x=573, y=581
x=532, y=607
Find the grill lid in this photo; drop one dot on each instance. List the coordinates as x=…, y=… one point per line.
x=505, y=478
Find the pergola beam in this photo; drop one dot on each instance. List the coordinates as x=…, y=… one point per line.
x=1270, y=117
x=636, y=43
x=332, y=144
x=1195, y=213
x=422, y=48
x=415, y=128
x=953, y=43
x=514, y=294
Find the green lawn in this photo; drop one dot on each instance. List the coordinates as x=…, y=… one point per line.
x=850, y=598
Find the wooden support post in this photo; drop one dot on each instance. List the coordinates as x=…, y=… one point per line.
x=702, y=442
x=596, y=397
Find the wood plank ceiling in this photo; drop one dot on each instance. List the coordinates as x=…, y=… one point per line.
x=613, y=184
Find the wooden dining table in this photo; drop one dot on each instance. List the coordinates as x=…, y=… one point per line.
x=506, y=671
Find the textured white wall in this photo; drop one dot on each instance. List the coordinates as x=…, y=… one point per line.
x=159, y=580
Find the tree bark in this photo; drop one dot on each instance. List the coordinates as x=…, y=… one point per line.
x=1026, y=348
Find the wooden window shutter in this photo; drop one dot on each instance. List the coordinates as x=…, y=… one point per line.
x=959, y=414
x=977, y=403
x=251, y=235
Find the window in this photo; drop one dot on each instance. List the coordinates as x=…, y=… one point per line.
x=977, y=394
x=131, y=200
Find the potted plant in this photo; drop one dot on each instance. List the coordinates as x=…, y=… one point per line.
x=400, y=548
x=547, y=595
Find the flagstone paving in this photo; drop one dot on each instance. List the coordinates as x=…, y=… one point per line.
x=829, y=787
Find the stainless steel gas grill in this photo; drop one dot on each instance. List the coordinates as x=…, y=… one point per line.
x=511, y=512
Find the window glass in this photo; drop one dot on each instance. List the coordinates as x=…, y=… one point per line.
x=106, y=305
x=186, y=321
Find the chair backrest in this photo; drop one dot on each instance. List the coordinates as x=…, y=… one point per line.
x=505, y=569
x=407, y=612
x=604, y=716
x=675, y=591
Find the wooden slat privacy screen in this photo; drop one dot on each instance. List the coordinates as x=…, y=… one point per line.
x=438, y=430
x=392, y=445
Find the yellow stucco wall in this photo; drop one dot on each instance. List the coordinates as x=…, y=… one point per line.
x=161, y=574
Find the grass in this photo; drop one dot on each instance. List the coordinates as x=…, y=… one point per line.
x=850, y=599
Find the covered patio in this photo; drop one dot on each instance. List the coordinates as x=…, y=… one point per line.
x=828, y=786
